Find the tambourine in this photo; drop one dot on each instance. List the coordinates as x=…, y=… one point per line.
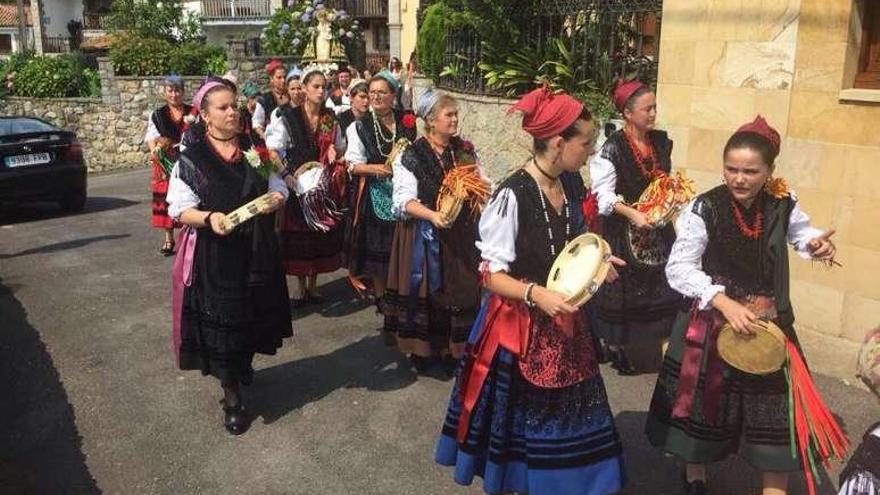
x=759, y=354
x=450, y=206
x=664, y=198
x=580, y=269
x=307, y=177
x=246, y=212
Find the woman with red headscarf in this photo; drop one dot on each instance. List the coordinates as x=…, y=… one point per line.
x=638, y=311
x=731, y=260
x=529, y=412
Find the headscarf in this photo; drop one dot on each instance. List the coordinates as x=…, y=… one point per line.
x=173, y=80
x=311, y=69
x=868, y=367
x=623, y=91
x=426, y=103
x=250, y=90
x=200, y=94
x=355, y=83
x=546, y=114
x=273, y=65
x=760, y=127
x=392, y=81
x=230, y=76
x=294, y=72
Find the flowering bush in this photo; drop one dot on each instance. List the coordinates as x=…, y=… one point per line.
x=291, y=29
x=138, y=56
x=55, y=77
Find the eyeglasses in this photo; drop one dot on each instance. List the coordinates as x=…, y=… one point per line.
x=379, y=93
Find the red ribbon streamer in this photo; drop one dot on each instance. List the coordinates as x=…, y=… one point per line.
x=506, y=325
x=701, y=337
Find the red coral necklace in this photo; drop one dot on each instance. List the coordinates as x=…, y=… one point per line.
x=641, y=158
x=752, y=232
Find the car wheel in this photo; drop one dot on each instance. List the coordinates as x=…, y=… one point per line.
x=73, y=201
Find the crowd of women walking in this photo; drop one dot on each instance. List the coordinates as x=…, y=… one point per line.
x=528, y=411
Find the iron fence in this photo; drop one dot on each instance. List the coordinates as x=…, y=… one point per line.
x=56, y=44
x=596, y=40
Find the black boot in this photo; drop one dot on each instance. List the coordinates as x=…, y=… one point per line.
x=236, y=419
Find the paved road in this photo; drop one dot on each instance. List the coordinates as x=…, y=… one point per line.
x=92, y=403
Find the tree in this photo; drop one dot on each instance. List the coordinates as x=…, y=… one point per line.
x=167, y=20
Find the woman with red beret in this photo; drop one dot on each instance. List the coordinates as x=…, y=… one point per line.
x=637, y=311
x=529, y=412
x=731, y=260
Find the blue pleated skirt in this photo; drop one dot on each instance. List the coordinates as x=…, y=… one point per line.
x=527, y=439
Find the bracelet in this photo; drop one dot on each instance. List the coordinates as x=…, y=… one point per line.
x=285, y=173
x=207, y=218
x=527, y=297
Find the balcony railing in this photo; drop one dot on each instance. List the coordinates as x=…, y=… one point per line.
x=56, y=44
x=362, y=9
x=95, y=20
x=236, y=9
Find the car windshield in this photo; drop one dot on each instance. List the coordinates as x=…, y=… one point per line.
x=10, y=127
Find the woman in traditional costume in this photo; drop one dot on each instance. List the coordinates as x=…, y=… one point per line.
x=731, y=261
x=276, y=96
x=360, y=105
x=303, y=134
x=861, y=475
x=433, y=291
x=164, y=131
x=371, y=140
x=251, y=95
x=638, y=310
x=229, y=292
x=534, y=420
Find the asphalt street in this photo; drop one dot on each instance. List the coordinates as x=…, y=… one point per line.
x=90, y=400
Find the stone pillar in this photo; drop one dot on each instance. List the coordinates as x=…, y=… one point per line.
x=37, y=21
x=109, y=90
x=394, y=28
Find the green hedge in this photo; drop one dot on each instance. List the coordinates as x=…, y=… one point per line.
x=55, y=77
x=137, y=56
x=431, y=42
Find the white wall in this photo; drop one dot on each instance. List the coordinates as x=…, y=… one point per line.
x=57, y=13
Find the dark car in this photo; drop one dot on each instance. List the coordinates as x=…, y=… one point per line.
x=40, y=162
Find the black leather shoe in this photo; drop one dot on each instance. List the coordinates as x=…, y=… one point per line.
x=621, y=364
x=420, y=363
x=236, y=419
x=697, y=487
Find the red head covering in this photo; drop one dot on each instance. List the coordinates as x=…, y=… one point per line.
x=760, y=127
x=546, y=114
x=623, y=91
x=273, y=65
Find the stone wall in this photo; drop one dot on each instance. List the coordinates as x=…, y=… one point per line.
x=790, y=60
x=483, y=120
x=112, y=127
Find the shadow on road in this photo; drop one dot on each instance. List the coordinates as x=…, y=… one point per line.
x=63, y=246
x=340, y=298
x=32, y=212
x=40, y=447
x=651, y=471
x=363, y=364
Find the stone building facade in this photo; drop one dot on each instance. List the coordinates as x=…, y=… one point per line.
x=721, y=63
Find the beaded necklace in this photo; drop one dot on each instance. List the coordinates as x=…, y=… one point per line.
x=566, y=212
x=641, y=158
x=381, y=140
x=752, y=232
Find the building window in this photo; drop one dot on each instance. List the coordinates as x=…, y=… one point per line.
x=381, y=37
x=868, y=75
x=5, y=43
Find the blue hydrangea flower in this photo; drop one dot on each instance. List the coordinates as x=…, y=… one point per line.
x=306, y=18
x=309, y=9
x=341, y=32
x=296, y=42
x=349, y=34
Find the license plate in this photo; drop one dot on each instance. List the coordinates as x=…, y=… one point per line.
x=25, y=160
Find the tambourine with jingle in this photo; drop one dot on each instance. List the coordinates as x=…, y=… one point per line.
x=580, y=269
